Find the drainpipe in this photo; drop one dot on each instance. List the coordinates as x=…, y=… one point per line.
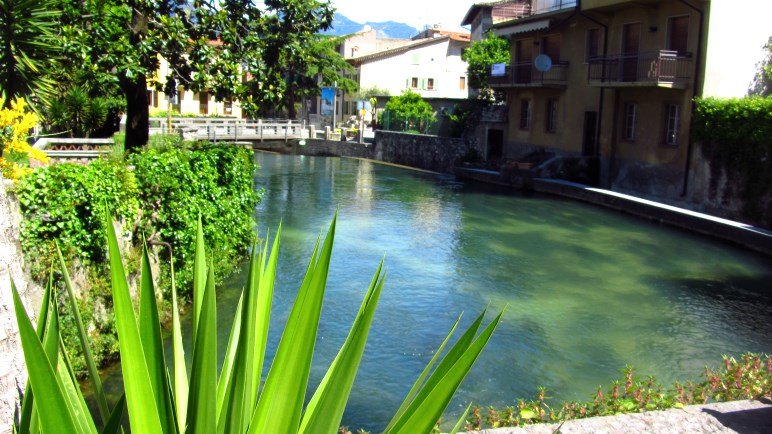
x=695, y=89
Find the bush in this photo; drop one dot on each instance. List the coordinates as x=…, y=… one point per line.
x=176, y=185
x=15, y=152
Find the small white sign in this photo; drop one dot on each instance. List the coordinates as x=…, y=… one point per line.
x=498, y=69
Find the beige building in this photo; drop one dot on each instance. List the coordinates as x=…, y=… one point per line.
x=613, y=81
x=187, y=102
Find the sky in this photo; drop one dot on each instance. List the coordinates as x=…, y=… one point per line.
x=416, y=13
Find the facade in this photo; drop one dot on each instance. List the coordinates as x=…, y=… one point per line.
x=613, y=81
x=482, y=16
x=187, y=102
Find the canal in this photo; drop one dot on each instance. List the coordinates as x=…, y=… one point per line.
x=587, y=290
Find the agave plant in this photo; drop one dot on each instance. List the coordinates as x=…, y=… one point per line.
x=163, y=398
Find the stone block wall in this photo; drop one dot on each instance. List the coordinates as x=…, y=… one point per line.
x=12, y=369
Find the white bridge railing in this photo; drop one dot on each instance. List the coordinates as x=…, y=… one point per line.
x=225, y=129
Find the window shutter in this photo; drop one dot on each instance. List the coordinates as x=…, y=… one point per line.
x=423, y=84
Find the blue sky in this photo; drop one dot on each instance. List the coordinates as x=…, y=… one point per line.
x=416, y=13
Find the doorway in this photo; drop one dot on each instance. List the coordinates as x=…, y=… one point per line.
x=495, y=145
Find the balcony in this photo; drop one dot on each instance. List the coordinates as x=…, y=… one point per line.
x=659, y=69
x=524, y=74
x=546, y=6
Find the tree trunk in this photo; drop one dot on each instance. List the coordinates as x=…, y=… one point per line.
x=137, y=114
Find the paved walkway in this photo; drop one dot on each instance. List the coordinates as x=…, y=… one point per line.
x=745, y=417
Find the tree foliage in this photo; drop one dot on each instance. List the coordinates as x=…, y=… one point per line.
x=762, y=82
x=229, y=48
x=480, y=56
x=27, y=50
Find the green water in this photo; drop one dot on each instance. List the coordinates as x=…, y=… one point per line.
x=588, y=290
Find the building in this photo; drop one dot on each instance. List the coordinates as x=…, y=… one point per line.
x=188, y=102
x=429, y=64
x=482, y=16
x=612, y=81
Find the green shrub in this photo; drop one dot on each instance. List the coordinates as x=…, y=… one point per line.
x=60, y=203
x=176, y=185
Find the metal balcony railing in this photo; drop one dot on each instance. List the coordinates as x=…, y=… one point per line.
x=661, y=68
x=524, y=74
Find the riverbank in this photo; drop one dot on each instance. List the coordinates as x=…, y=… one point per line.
x=748, y=236
x=746, y=417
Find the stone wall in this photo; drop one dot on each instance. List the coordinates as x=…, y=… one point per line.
x=438, y=154
x=12, y=369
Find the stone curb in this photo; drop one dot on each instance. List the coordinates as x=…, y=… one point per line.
x=746, y=417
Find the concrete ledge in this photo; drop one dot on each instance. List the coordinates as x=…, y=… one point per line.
x=745, y=235
x=746, y=417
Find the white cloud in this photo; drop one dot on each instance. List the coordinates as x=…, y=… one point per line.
x=416, y=13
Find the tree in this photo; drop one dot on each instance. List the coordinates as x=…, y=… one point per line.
x=479, y=57
x=762, y=82
x=27, y=51
x=306, y=66
x=230, y=48
x=409, y=112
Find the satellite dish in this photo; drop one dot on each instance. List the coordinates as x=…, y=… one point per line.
x=542, y=63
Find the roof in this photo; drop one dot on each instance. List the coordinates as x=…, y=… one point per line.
x=472, y=12
x=408, y=47
x=502, y=10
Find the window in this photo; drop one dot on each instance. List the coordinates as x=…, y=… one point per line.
x=429, y=84
x=592, y=48
x=203, y=103
x=678, y=34
x=461, y=83
x=630, y=112
x=525, y=114
x=672, y=119
x=550, y=45
x=415, y=59
x=414, y=83
x=228, y=107
x=152, y=98
x=551, y=125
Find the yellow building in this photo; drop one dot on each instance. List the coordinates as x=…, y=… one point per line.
x=613, y=81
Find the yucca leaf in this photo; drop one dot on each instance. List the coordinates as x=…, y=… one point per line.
x=113, y=425
x=263, y=310
x=180, y=367
x=93, y=372
x=202, y=408
x=49, y=399
x=421, y=378
x=75, y=401
x=325, y=409
x=281, y=402
x=140, y=399
x=152, y=344
x=424, y=412
x=199, y=276
x=461, y=420
x=28, y=413
x=226, y=371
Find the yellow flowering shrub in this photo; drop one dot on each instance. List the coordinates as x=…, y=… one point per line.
x=15, y=124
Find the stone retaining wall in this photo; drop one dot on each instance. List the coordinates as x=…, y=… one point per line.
x=13, y=373
x=438, y=154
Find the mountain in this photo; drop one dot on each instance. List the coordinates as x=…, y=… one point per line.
x=342, y=26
